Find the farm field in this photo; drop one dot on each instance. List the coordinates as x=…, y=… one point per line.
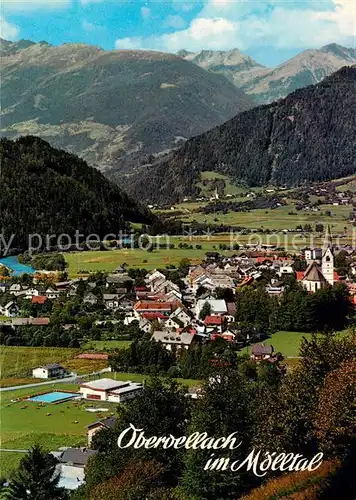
x=17, y=362
x=106, y=345
x=83, y=263
x=276, y=219
x=288, y=343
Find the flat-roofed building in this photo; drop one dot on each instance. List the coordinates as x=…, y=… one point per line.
x=107, y=389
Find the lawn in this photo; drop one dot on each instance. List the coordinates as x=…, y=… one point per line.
x=25, y=423
x=288, y=343
x=9, y=462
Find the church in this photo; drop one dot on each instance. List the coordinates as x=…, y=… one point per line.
x=317, y=276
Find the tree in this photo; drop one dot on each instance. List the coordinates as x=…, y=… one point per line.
x=225, y=406
x=205, y=310
x=36, y=478
x=161, y=409
x=137, y=480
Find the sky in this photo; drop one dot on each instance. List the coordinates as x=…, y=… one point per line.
x=270, y=31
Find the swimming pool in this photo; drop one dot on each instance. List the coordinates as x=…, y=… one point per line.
x=53, y=397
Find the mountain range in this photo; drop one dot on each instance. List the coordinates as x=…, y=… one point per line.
x=306, y=137
x=113, y=108
x=265, y=85
x=124, y=110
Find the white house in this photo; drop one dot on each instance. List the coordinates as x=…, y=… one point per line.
x=107, y=389
x=9, y=310
x=52, y=370
x=180, y=340
x=217, y=307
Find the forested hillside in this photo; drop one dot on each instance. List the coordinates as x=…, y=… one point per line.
x=308, y=136
x=47, y=191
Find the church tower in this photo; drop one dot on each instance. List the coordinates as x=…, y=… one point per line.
x=327, y=261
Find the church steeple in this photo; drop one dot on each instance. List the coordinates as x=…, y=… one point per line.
x=327, y=261
x=327, y=239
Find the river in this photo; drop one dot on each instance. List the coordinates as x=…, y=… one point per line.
x=16, y=267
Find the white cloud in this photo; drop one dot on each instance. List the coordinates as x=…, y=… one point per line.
x=145, y=12
x=130, y=43
x=20, y=5
x=88, y=26
x=176, y=22
x=223, y=24
x=8, y=31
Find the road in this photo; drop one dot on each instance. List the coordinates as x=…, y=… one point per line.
x=15, y=451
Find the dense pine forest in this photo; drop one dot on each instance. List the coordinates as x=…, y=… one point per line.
x=307, y=137
x=48, y=191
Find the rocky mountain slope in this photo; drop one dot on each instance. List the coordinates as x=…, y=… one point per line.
x=47, y=191
x=237, y=67
x=113, y=108
x=265, y=85
x=308, y=136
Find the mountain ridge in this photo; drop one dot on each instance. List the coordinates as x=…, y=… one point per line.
x=266, y=85
x=306, y=137
x=113, y=108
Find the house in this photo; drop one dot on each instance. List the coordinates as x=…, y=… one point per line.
x=30, y=321
x=39, y=299
x=111, y=300
x=91, y=299
x=107, y=389
x=212, y=256
x=9, y=310
x=145, y=325
x=215, y=323
x=15, y=288
x=152, y=306
x=106, y=423
x=173, y=323
x=260, y=352
x=217, y=307
x=53, y=370
x=181, y=340
x=51, y=293
x=182, y=315
x=72, y=465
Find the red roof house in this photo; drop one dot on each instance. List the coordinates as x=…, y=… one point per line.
x=38, y=300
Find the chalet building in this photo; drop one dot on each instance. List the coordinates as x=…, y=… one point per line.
x=107, y=389
x=53, y=370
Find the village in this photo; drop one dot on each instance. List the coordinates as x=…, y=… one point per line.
x=178, y=308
